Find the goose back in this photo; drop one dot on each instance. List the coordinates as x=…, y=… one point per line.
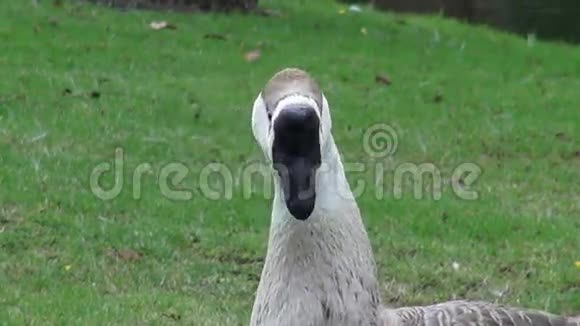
x=476, y=313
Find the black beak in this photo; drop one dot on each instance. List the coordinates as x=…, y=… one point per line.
x=296, y=156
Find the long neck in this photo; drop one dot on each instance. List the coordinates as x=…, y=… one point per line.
x=336, y=213
x=321, y=269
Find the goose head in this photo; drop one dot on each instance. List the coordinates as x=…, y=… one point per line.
x=291, y=123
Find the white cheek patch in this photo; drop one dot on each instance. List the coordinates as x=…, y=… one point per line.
x=325, y=121
x=260, y=125
x=270, y=141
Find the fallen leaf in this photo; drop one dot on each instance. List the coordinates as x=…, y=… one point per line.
x=562, y=136
x=268, y=12
x=364, y=31
x=506, y=269
x=383, y=79
x=577, y=264
x=129, y=255
x=215, y=36
x=53, y=22
x=172, y=315
x=124, y=254
x=158, y=25
x=253, y=55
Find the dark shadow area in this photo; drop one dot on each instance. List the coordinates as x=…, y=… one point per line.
x=183, y=5
x=547, y=19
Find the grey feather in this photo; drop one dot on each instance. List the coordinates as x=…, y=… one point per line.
x=476, y=313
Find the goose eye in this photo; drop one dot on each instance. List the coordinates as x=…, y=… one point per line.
x=270, y=116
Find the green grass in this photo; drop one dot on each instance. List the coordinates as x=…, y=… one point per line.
x=66, y=257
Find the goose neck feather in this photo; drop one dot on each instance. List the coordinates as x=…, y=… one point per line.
x=320, y=271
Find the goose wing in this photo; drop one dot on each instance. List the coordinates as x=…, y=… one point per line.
x=473, y=313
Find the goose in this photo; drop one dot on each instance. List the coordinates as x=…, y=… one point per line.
x=319, y=268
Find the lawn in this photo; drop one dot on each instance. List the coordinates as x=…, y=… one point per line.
x=80, y=83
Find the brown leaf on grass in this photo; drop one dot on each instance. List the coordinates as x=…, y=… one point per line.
x=383, y=79
x=172, y=315
x=253, y=55
x=10, y=215
x=158, y=25
x=444, y=217
x=438, y=98
x=574, y=155
x=215, y=36
x=562, y=136
x=128, y=255
x=95, y=94
x=53, y=22
x=506, y=269
x=268, y=12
